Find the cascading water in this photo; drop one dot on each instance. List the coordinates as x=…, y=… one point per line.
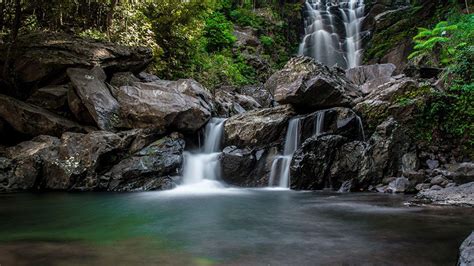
x=332, y=31
x=319, y=123
x=280, y=170
x=201, y=171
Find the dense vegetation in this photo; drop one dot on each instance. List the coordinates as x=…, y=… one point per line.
x=189, y=38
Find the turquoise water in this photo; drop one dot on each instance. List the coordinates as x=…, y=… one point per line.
x=236, y=227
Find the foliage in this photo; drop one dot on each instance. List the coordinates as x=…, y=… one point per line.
x=218, y=32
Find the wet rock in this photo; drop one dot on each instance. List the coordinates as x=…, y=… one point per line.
x=399, y=185
x=466, y=251
x=439, y=180
x=339, y=121
x=422, y=186
x=462, y=195
x=22, y=170
x=32, y=120
x=369, y=77
x=260, y=127
x=346, y=186
x=314, y=164
x=306, y=84
x=461, y=172
x=148, y=169
x=237, y=165
x=96, y=97
x=43, y=57
x=52, y=98
x=182, y=105
x=81, y=158
x=436, y=187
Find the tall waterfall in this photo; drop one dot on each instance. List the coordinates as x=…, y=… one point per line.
x=202, y=170
x=280, y=170
x=332, y=31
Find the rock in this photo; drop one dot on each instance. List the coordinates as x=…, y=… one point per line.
x=422, y=186
x=325, y=162
x=246, y=36
x=461, y=173
x=399, y=185
x=339, y=121
x=78, y=109
x=439, y=180
x=369, y=77
x=230, y=103
x=52, y=98
x=80, y=160
x=237, y=165
x=149, y=169
x=462, y=195
x=41, y=58
x=22, y=170
x=410, y=162
x=182, y=105
x=260, y=127
x=386, y=147
x=432, y=164
x=466, y=251
x=147, y=77
x=308, y=85
x=32, y=120
x=124, y=79
x=259, y=94
x=96, y=97
x=436, y=187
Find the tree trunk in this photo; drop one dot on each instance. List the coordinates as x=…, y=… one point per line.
x=110, y=16
x=14, y=34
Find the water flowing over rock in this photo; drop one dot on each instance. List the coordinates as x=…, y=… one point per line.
x=257, y=128
x=32, y=120
x=332, y=31
x=183, y=105
x=43, y=57
x=280, y=171
x=308, y=85
x=202, y=170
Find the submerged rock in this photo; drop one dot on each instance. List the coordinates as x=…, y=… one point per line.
x=257, y=128
x=308, y=85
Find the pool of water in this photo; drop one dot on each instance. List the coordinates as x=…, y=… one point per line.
x=227, y=227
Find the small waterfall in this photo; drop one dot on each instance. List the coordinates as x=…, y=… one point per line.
x=319, y=123
x=361, y=128
x=332, y=31
x=204, y=167
x=280, y=170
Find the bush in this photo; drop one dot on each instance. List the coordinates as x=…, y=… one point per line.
x=218, y=32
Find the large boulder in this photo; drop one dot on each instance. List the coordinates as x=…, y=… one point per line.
x=21, y=169
x=326, y=162
x=151, y=168
x=183, y=105
x=81, y=158
x=466, y=251
x=90, y=87
x=237, y=164
x=462, y=195
x=259, y=93
x=309, y=85
x=42, y=58
x=257, y=128
x=369, y=77
x=32, y=120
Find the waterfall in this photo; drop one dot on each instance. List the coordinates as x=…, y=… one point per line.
x=281, y=164
x=319, y=123
x=332, y=31
x=203, y=169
